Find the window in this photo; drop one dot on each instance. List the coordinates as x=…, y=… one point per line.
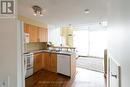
x=90, y=43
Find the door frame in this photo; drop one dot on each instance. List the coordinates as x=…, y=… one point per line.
x=20, y=54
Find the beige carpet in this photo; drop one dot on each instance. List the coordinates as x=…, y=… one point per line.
x=95, y=64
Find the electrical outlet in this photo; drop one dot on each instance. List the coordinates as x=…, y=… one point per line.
x=4, y=82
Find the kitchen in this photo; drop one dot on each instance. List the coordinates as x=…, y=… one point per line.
x=31, y=58
x=49, y=51
x=39, y=55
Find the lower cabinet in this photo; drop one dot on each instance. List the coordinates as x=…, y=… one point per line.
x=50, y=62
x=37, y=62
x=53, y=61
x=46, y=61
x=59, y=63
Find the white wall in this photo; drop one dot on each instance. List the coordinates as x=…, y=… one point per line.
x=119, y=36
x=54, y=35
x=8, y=51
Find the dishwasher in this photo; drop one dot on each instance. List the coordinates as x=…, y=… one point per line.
x=63, y=64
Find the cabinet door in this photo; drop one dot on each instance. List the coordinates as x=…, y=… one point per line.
x=43, y=34
x=26, y=28
x=33, y=33
x=53, y=62
x=47, y=61
x=50, y=62
x=37, y=62
x=36, y=34
x=43, y=60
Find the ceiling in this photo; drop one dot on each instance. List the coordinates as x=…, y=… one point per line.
x=65, y=12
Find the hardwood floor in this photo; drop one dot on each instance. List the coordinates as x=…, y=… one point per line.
x=83, y=78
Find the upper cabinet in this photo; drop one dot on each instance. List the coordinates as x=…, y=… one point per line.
x=33, y=34
x=26, y=28
x=43, y=34
x=36, y=34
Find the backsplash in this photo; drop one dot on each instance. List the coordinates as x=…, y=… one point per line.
x=35, y=46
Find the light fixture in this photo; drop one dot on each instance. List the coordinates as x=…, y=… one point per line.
x=37, y=10
x=86, y=11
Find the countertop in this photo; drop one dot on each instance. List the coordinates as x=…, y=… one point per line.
x=50, y=51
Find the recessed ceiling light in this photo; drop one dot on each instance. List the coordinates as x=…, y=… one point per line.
x=86, y=11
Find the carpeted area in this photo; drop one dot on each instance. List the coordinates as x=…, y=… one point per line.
x=95, y=64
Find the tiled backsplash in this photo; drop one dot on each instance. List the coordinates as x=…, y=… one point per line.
x=35, y=46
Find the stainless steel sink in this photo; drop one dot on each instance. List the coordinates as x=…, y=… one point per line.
x=54, y=50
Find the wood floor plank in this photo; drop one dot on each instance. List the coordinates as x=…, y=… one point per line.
x=83, y=78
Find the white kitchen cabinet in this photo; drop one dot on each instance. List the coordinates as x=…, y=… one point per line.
x=64, y=64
